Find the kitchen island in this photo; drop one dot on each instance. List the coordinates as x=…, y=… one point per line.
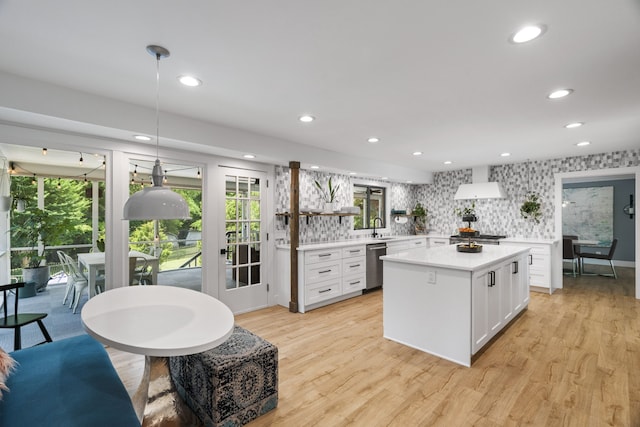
x=451, y=304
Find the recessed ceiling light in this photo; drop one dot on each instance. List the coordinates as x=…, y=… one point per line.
x=560, y=93
x=527, y=33
x=583, y=143
x=385, y=177
x=573, y=125
x=315, y=167
x=373, y=140
x=447, y=162
x=306, y=118
x=142, y=137
x=190, y=81
x=352, y=173
x=417, y=153
x=249, y=156
x=409, y=182
x=505, y=154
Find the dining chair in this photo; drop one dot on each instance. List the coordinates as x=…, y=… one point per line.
x=17, y=320
x=569, y=253
x=608, y=256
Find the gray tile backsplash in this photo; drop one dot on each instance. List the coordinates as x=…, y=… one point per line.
x=495, y=216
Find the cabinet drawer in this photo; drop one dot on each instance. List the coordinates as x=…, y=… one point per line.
x=318, y=272
x=437, y=241
x=323, y=291
x=417, y=243
x=539, y=278
x=541, y=250
x=353, y=283
x=312, y=257
x=352, y=266
x=353, y=251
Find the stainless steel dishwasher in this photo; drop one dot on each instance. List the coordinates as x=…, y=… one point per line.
x=374, y=265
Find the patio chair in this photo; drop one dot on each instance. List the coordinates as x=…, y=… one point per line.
x=17, y=320
x=65, y=268
x=79, y=280
x=139, y=271
x=608, y=257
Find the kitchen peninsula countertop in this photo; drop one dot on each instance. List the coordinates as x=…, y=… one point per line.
x=449, y=257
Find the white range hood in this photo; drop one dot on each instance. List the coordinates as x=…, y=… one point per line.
x=481, y=187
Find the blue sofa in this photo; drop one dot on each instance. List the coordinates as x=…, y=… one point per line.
x=67, y=383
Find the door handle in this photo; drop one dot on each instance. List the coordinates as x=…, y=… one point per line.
x=492, y=277
x=515, y=267
x=223, y=251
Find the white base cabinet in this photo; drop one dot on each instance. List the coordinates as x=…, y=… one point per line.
x=325, y=276
x=451, y=312
x=541, y=265
x=498, y=294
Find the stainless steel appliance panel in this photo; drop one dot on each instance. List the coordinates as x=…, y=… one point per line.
x=374, y=265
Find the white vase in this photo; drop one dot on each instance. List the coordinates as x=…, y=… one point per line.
x=331, y=207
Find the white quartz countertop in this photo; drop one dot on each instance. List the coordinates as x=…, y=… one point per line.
x=352, y=242
x=449, y=257
x=508, y=240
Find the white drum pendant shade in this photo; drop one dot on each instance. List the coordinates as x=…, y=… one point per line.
x=155, y=203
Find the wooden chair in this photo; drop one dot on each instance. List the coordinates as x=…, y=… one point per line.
x=608, y=257
x=17, y=320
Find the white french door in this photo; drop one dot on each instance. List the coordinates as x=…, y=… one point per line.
x=242, y=281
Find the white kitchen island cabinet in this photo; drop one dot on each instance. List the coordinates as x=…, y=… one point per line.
x=451, y=304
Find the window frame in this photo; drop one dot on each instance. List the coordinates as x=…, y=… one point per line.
x=385, y=217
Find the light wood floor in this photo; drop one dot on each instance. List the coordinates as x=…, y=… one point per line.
x=572, y=359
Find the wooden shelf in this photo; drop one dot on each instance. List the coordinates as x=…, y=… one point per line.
x=287, y=215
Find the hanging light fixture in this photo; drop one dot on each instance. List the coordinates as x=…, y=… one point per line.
x=156, y=202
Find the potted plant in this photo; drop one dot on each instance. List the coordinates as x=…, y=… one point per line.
x=531, y=208
x=467, y=213
x=36, y=228
x=419, y=213
x=329, y=195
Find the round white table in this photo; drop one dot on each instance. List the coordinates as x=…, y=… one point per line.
x=157, y=321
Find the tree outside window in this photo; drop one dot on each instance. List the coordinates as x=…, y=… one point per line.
x=371, y=201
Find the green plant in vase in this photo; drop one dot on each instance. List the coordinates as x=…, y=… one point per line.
x=531, y=207
x=419, y=213
x=329, y=195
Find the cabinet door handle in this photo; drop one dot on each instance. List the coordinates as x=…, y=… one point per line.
x=324, y=290
x=515, y=267
x=323, y=255
x=492, y=279
x=530, y=259
x=324, y=271
x=354, y=266
x=354, y=283
x=354, y=251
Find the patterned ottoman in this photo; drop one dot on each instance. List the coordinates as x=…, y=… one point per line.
x=231, y=384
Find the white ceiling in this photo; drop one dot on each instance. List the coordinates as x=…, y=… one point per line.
x=431, y=76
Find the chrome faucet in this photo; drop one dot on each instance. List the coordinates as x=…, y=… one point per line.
x=374, y=234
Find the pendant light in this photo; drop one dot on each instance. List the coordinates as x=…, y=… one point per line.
x=156, y=202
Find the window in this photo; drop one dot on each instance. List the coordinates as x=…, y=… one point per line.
x=371, y=201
